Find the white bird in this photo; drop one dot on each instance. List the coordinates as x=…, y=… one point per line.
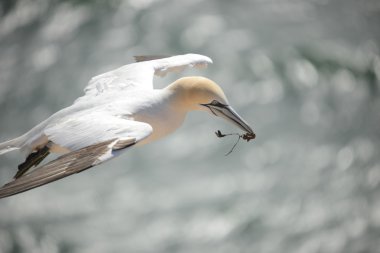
x=119, y=109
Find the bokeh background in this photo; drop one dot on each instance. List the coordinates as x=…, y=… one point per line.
x=304, y=73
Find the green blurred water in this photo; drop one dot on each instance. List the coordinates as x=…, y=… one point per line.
x=306, y=75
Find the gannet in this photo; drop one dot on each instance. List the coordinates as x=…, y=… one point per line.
x=119, y=110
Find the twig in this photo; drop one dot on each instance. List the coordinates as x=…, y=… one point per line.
x=247, y=137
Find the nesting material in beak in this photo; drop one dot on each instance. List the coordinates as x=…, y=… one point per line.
x=229, y=114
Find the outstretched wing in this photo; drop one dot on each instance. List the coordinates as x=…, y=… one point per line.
x=140, y=74
x=65, y=165
x=85, y=129
x=93, y=139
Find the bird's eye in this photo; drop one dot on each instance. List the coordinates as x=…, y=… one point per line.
x=214, y=102
x=217, y=103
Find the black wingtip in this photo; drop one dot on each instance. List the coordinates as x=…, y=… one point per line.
x=141, y=58
x=63, y=166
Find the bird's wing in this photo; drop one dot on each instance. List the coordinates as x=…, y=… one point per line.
x=85, y=129
x=123, y=134
x=140, y=74
x=63, y=166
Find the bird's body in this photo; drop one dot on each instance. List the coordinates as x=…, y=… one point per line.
x=149, y=106
x=119, y=108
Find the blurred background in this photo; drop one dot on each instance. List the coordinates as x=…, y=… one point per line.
x=304, y=73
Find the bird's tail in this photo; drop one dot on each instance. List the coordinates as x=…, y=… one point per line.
x=11, y=145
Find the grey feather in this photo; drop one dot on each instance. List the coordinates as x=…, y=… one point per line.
x=63, y=166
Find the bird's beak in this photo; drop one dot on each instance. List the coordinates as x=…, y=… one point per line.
x=228, y=113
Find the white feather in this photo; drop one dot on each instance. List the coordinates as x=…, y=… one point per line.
x=84, y=130
x=140, y=74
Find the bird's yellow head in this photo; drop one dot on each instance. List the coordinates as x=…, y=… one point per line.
x=200, y=93
x=194, y=91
